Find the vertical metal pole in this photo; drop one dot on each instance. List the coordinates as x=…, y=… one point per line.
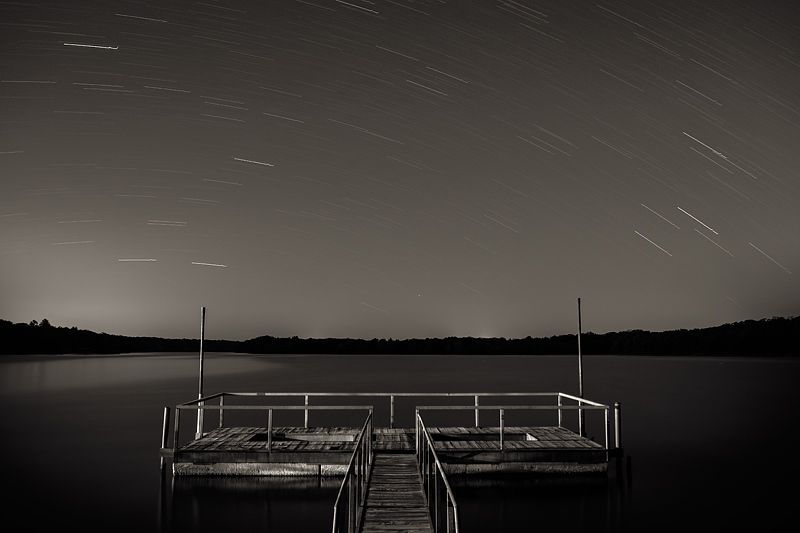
x=416, y=425
x=175, y=437
x=608, y=431
x=269, y=431
x=199, y=432
x=165, y=433
x=581, y=421
x=357, y=472
x=502, y=427
x=559, y=410
x=221, y=403
x=352, y=494
x=306, y=415
x=391, y=411
x=451, y=523
x=371, y=430
x=617, y=425
x=435, y=495
x=477, y=413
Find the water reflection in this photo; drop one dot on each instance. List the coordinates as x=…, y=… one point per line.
x=596, y=502
x=250, y=503
x=55, y=373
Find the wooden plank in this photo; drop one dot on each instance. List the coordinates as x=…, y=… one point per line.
x=395, y=501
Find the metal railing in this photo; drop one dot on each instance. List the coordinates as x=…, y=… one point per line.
x=583, y=404
x=200, y=405
x=391, y=396
x=355, y=482
x=431, y=470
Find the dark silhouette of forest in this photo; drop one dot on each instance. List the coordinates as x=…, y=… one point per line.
x=773, y=336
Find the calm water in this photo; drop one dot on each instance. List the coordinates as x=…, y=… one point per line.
x=711, y=441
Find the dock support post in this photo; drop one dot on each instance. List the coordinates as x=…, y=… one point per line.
x=199, y=432
x=221, y=403
x=608, y=431
x=164, y=434
x=391, y=411
x=617, y=425
x=477, y=413
x=306, y=414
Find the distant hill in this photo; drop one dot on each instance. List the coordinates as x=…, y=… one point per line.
x=773, y=336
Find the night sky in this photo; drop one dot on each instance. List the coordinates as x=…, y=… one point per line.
x=398, y=168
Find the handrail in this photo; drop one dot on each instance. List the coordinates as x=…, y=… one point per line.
x=503, y=408
x=431, y=486
x=391, y=396
x=360, y=467
x=221, y=407
x=582, y=403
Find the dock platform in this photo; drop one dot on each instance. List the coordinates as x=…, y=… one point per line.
x=393, y=479
x=324, y=451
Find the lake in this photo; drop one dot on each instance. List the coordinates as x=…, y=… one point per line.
x=710, y=440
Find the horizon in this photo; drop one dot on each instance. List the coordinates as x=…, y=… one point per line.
x=329, y=169
x=791, y=317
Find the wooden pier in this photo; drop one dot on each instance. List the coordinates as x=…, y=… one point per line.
x=394, y=479
x=395, y=500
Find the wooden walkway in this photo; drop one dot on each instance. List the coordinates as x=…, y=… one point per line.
x=395, y=501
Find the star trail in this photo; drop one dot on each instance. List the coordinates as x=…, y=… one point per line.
x=398, y=168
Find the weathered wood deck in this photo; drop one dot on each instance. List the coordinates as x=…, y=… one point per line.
x=327, y=450
x=395, y=501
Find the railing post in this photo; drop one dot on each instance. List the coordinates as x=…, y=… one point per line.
x=416, y=427
x=199, y=432
x=269, y=431
x=306, y=412
x=559, y=409
x=221, y=403
x=357, y=487
x=352, y=505
x=477, y=413
x=391, y=411
x=608, y=431
x=164, y=434
x=617, y=425
x=175, y=437
x=200, y=414
x=451, y=523
x=435, y=497
x=371, y=431
x=370, y=428
x=502, y=428
x=581, y=427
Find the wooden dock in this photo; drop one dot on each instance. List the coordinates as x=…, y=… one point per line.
x=394, y=479
x=395, y=500
x=326, y=451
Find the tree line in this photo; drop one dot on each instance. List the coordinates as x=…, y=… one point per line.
x=773, y=336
